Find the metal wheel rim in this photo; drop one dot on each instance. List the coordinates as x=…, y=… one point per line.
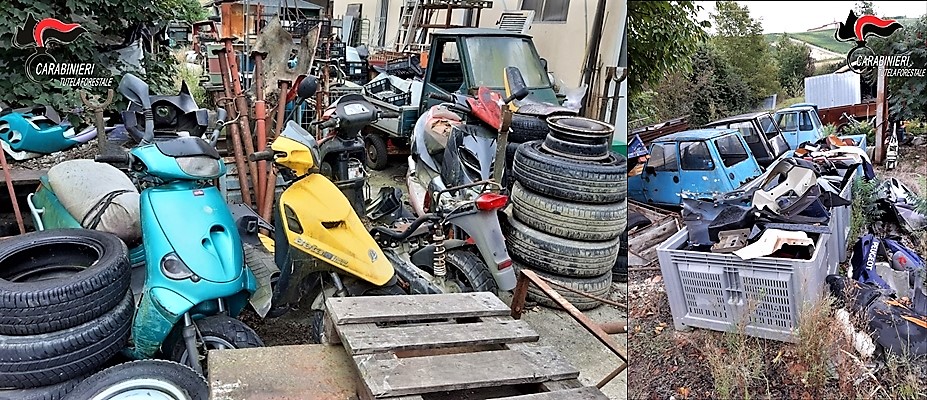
x=147, y=388
x=210, y=343
x=372, y=151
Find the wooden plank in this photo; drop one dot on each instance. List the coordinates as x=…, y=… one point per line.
x=565, y=384
x=368, y=338
x=23, y=176
x=585, y=393
x=389, y=376
x=364, y=309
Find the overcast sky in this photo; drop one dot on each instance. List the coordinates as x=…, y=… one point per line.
x=800, y=16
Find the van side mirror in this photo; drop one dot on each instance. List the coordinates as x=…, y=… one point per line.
x=515, y=84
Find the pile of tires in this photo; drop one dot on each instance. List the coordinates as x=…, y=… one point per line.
x=569, y=209
x=65, y=309
x=146, y=379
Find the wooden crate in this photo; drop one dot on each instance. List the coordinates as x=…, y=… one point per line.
x=461, y=346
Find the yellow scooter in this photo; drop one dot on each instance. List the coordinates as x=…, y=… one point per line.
x=319, y=243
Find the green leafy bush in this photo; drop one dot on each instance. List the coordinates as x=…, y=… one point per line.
x=829, y=129
x=862, y=128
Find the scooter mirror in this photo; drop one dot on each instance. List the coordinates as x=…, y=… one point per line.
x=308, y=87
x=136, y=90
x=515, y=84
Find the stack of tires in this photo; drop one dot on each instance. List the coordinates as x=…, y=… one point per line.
x=65, y=309
x=569, y=209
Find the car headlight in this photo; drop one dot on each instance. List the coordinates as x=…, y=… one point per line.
x=173, y=267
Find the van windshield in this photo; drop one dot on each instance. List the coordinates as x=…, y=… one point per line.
x=489, y=56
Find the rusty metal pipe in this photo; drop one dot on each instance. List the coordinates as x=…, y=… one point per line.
x=260, y=123
x=614, y=328
x=268, y=205
x=247, y=137
x=240, y=163
x=9, y=187
x=526, y=277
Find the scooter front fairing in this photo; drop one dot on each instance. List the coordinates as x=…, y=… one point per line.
x=319, y=221
x=195, y=257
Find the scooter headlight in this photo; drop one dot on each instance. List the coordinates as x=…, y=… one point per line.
x=173, y=267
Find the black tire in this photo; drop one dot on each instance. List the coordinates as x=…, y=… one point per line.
x=526, y=128
x=637, y=220
x=620, y=270
x=596, y=286
x=377, y=153
x=58, y=279
x=587, y=182
x=578, y=221
x=50, y=358
x=508, y=177
x=50, y=392
x=217, y=331
x=576, y=150
x=566, y=257
x=179, y=378
x=317, y=315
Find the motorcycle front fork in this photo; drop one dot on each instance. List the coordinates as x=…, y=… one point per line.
x=191, y=336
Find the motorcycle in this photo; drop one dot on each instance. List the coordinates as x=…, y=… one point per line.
x=189, y=276
x=449, y=174
x=342, y=151
x=27, y=133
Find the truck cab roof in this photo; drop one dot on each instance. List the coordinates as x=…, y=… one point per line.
x=738, y=118
x=479, y=32
x=696, y=135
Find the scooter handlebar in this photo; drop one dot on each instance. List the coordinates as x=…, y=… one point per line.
x=389, y=114
x=443, y=97
x=331, y=123
x=112, y=159
x=266, y=155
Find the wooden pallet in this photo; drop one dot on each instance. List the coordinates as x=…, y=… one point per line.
x=461, y=346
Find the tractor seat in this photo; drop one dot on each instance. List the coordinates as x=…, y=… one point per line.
x=99, y=196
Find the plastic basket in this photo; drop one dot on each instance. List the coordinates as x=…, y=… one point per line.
x=721, y=292
x=385, y=91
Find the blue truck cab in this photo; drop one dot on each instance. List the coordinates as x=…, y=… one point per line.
x=695, y=163
x=799, y=123
x=760, y=132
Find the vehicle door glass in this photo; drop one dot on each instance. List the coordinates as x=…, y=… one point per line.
x=695, y=156
x=446, y=72
x=804, y=124
x=731, y=150
x=787, y=122
x=769, y=126
x=663, y=158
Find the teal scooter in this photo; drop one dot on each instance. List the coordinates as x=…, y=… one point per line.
x=195, y=278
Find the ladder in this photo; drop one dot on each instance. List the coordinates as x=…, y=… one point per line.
x=408, y=24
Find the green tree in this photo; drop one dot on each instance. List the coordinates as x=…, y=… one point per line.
x=103, y=28
x=864, y=7
x=662, y=35
x=716, y=90
x=795, y=64
x=907, y=96
x=739, y=40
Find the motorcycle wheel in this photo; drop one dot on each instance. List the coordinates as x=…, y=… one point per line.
x=216, y=332
x=468, y=272
x=323, y=289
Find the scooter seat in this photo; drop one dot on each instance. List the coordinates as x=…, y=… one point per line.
x=99, y=196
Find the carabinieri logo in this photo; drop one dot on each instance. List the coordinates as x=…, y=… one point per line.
x=41, y=64
x=861, y=58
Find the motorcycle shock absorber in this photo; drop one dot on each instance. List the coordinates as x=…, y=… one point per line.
x=437, y=239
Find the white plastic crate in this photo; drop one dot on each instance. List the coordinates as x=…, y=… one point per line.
x=840, y=221
x=720, y=291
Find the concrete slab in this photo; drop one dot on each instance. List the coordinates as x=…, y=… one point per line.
x=302, y=372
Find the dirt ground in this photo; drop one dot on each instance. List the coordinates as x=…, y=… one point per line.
x=674, y=364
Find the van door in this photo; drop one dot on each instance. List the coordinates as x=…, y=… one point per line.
x=699, y=171
x=807, y=132
x=756, y=141
x=777, y=144
x=788, y=123
x=737, y=167
x=661, y=175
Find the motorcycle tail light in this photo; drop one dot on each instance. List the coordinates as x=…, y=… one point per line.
x=505, y=264
x=491, y=201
